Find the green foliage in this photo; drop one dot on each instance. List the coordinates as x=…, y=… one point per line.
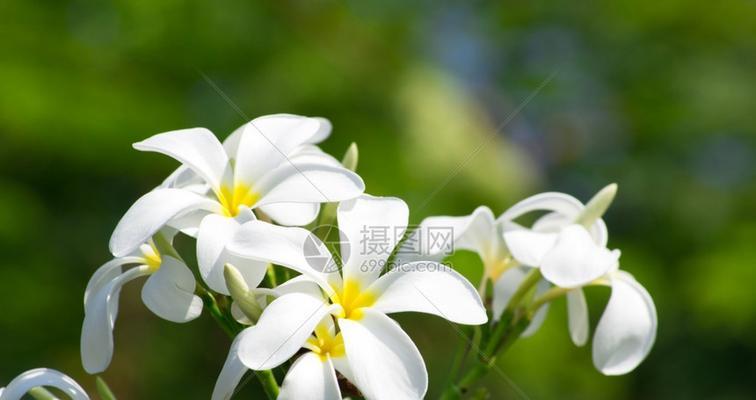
x=656, y=96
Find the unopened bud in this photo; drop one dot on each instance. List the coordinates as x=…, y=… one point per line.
x=351, y=157
x=241, y=294
x=597, y=206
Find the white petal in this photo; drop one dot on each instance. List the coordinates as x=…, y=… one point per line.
x=169, y=292
x=231, y=143
x=540, y=315
x=477, y=234
x=99, y=320
x=266, y=142
x=431, y=288
x=238, y=315
x=505, y=287
x=627, y=329
x=385, y=362
x=32, y=378
x=295, y=248
x=150, y=213
x=282, y=329
x=308, y=183
x=232, y=372
x=188, y=223
x=181, y=177
x=554, y=221
x=196, y=148
x=299, y=284
x=292, y=214
x=577, y=316
x=599, y=233
x=324, y=130
x=310, y=378
x=529, y=247
x=215, y=232
x=370, y=228
x=341, y=364
x=576, y=259
x=106, y=273
x=440, y=236
x=549, y=201
x=551, y=222
x=313, y=154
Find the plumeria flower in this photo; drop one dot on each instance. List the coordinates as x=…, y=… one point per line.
x=270, y=164
x=572, y=256
x=481, y=232
x=364, y=344
x=569, y=256
x=168, y=292
x=41, y=377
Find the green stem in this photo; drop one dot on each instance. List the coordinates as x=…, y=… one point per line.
x=231, y=327
x=487, y=361
x=212, y=306
x=461, y=355
x=500, y=329
x=549, y=296
x=514, y=320
x=509, y=316
x=272, y=276
x=266, y=377
x=268, y=382
x=103, y=389
x=530, y=280
x=40, y=393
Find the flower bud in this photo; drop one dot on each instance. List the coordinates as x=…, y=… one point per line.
x=597, y=206
x=241, y=294
x=351, y=157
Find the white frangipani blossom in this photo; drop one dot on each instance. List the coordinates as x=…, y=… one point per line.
x=168, y=292
x=569, y=256
x=42, y=377
x=364, y=344
x=270, y=164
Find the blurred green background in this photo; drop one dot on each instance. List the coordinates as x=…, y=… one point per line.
x=659, y=97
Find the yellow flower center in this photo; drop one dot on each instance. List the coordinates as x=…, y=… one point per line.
x=353, y=300
x=324, y=343
x=151, y=255
x=495, y=268
x=231, y=198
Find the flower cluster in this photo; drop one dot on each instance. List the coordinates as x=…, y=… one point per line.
x=255, y=205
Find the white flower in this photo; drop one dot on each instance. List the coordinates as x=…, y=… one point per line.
x=168, y=292
x=569, y=256
x=376, y=355
x=32, y=378
x=269, y=164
